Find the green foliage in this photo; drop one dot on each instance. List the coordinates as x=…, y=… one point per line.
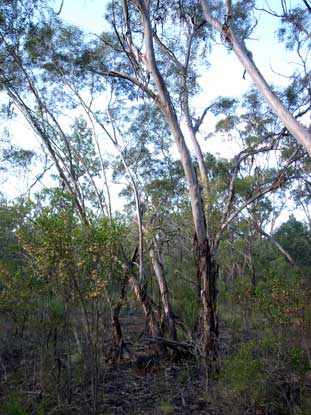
x=84, y=156
x=242, y=18
x=54, y=263
x=294, y=26
x=284, y=300
x=71, y=258
x=265, y=373
x=10, y=253
x=17, y=157
x=166, y=407
x=13, y=406
x=242, y=373
x=224, y=105
x=272, y=307
x=227, y=124
x=185, y=304
x=53, y=268
x=242, y=291
x=297, y=360
x=295, y=238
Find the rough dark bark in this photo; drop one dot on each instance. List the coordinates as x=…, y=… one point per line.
x=207, y=274
x=119, y=347
x=164, y=102
x=152, y=322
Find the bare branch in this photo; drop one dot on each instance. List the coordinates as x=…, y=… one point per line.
x=60, y=8
x=201, y=119
x=228, y=9
x=121, y=75
x=189, y=43
x=277, y=245
x=307, y=5
x=168, y=52
x=38, y=179
x=276, y=184
x=242, y=156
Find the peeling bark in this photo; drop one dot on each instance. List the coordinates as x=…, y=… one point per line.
x=207, y=273
x=164, y=291
x=150, y=315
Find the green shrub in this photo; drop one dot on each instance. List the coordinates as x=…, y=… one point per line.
x=266, y=373
x=13, y=406
x=297, y=360
x=185, y=305
x=283, y=301
x=242, y=373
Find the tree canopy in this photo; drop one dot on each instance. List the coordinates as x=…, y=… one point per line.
x=127, y=207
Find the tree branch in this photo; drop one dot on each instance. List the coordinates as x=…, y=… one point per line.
x=277, y=183
x=277, y=245
x=242, y=156
x=121, y=75
x=238, y=46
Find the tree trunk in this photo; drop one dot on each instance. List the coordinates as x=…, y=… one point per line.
x=119, y=348
x=294, y=127
x=274, y=242
x=152, y=322
x=164, y=291
x=207, y=273
x=164, y=102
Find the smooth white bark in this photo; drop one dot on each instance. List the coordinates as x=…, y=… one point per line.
x=298, y=131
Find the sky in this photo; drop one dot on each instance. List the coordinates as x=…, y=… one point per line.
x=224, y=77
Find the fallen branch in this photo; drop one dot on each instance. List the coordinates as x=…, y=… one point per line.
x=184, y=347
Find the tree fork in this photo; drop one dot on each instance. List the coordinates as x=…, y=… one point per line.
x=163, y=287
x=165, y=104
x=151, y=320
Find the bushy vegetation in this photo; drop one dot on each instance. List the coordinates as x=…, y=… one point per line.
x=267, y=367
x=134, y=249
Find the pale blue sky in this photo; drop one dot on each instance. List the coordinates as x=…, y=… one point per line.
x=86, y=13
x=223, y=78
x=267, y=51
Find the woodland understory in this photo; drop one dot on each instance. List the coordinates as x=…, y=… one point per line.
x=140, y=272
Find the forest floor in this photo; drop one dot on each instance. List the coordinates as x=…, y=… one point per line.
x=143, y=384
x=152, y=385
x=41, y=375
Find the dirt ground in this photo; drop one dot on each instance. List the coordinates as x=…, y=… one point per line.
x=143, y=384
x=149, y=384
x=41, y=379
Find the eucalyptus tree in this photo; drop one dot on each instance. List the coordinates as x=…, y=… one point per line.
x=143, y=39
x=134, y=25
x=141, y=59
x=129, y=160
x=28, y=57
x=25, y=28
x=151, y=54
x=37, y=50
x=294, y=236
x=227, y=18
x=160, y=185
